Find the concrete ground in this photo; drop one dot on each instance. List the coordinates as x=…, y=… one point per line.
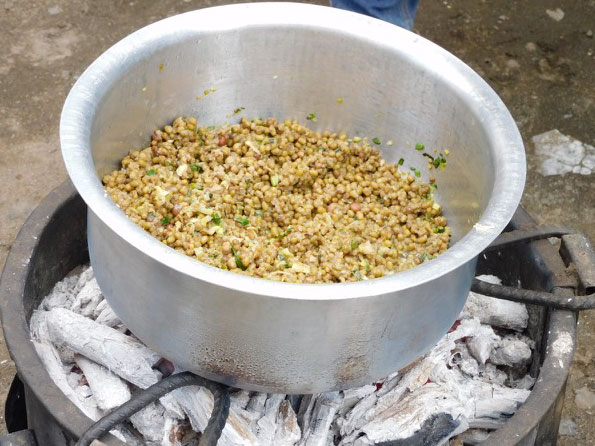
x=541, y=64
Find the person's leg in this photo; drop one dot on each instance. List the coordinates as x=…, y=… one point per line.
x=398, y=12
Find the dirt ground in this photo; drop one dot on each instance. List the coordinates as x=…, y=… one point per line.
x=541, y=64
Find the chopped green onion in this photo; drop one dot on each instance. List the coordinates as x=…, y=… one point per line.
x=284, y=233
x=216, y=218
x=354, y=244
x=401, y=161
x=243, y=221
x=239, y=263
x=238, y=110
x=439, y=230
x=151, y=172
x=195, y=167
x=248, y=183
x=368, y=267
x=415, y=171
x=165, y=221
x=311, y=117
x=376, y=141
x=419, y=146
x=338, y=149
x=439, y=161
x=357, y=274
x=274, y=180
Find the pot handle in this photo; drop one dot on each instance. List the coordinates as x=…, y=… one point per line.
x=575, y=249
x=19, y=438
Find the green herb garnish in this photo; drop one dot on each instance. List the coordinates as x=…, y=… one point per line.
x=357, y=274
x=238, y=110
x=195, y=167
x=312, y=117
x=415, y=171
x=439, y=230
x=151, y=172
x=354, y=244
x=165, y=221
x=216, y=218
x=439, y=161
x=376, y=141
x=285, y=233
x=243, y=221
x=239, y=263
x=401, y=161
x=419, y=146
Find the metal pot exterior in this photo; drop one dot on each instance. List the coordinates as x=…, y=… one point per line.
x=266, y=343
x=288, y=60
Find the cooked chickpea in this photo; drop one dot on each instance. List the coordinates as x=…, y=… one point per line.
x=279, y=201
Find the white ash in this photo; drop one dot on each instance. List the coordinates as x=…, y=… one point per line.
x=496, y=312
x=463, y=388
x=560, y=154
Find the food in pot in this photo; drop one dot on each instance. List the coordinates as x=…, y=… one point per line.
x=280, y=201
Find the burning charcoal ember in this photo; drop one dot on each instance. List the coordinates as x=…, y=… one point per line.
x=150, y=422
x=469, y=366
x=99, y=308
x=172, y=407
x=482, y=343
x=257, y=402
x=110, y=391
x=50, y=359
x=405, y=419
x=305, y=410
x=498, y=404
x=239, y=399
x=496, y=312
x=288, y=432
x=198, y=403
x=511, y=352
x=321, y=417
x=469, y=383
x=84, y=277
x=108, y=318
x=87, y=299
x=176, y=434
x=493, y=374
x=121, y=354
x=352, y=396
x=266, y=426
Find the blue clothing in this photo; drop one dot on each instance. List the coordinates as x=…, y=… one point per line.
x=397, y=12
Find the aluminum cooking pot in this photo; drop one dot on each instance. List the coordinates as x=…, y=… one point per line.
x=288, y=60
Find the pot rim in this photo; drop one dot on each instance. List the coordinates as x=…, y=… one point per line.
x=82, y=102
